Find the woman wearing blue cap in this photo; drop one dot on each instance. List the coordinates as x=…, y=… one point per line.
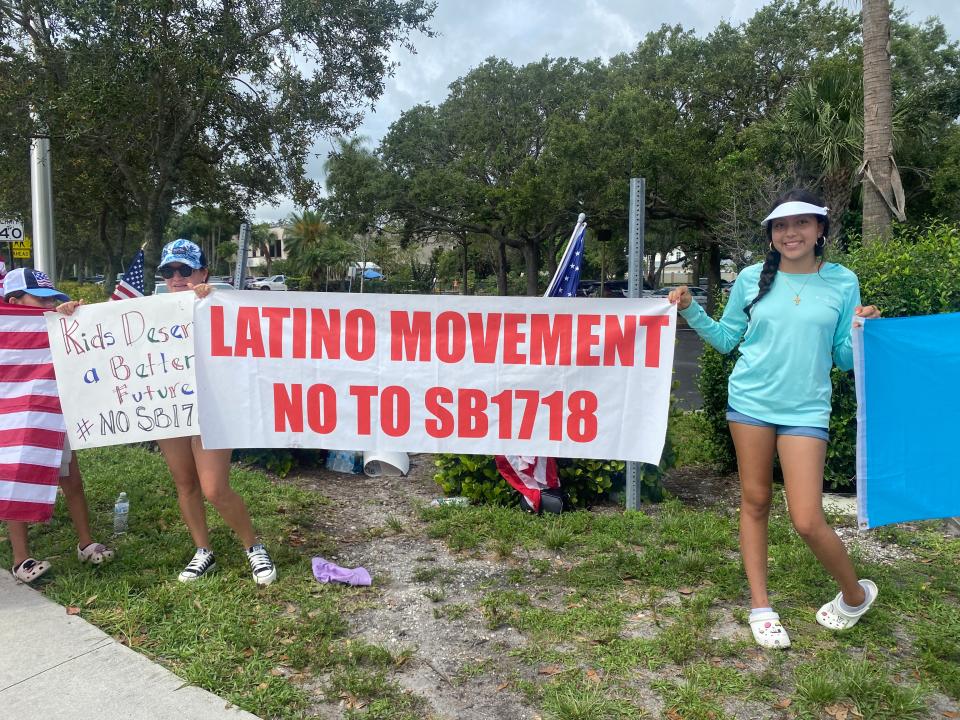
x=791, y=318
x=33, y=288
x=199, y=473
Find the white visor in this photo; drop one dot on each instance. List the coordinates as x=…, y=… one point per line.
x=794, y=208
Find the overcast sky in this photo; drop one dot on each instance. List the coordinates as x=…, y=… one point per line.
x=524, y=31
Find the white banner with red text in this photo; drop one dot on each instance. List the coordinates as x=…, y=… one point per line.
x=125, y=370
x=564, y=377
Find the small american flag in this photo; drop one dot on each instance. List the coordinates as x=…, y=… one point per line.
x=131, y=284
x=32, y=428
x=567, y=278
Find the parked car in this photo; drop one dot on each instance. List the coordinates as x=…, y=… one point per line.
x=276, y=282
x=698, y=293
x=611, y=288
x=161, y=287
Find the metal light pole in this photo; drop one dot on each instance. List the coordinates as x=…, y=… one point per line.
x=634, y=290
x=243, y=246
x=44, y=254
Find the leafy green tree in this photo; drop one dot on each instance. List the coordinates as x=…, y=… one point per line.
x=477, y=163
x=201, y=102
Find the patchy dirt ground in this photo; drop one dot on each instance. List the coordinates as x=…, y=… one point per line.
x=425, y=598
x=421, y=589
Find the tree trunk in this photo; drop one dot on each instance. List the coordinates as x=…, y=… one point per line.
x=113, y=262
x=713, y=276
x=502, y=268
x=877, y=120
x=464, y=245
x=531, y=266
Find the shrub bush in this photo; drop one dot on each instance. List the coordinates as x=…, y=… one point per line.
x=917, y=272
x=585, y=480
x=280, y=461
x=88, y=292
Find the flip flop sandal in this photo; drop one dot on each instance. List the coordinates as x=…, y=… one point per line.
x=768, y=632
x=834, y=617
x=29, y=570
x=95, y=553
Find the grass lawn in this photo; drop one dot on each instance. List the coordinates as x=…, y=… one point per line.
x=624, y=614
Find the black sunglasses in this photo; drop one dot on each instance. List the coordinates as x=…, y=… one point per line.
x=168, y=271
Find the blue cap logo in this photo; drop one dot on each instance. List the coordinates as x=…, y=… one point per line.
x=183, y=251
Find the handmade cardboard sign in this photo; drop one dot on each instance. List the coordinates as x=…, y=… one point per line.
x=125, y=370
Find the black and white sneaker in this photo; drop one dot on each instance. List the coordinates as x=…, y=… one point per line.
x=264, y=571
x=200, y=565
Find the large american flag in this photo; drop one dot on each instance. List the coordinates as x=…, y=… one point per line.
x=131, y=284
x=32, y=428
x=529, y=474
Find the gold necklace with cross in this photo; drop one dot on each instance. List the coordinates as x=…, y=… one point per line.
x=796, y=293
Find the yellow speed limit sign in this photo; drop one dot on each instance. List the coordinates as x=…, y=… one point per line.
x=21, y=249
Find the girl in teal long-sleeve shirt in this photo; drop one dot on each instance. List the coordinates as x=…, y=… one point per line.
x=791, y=318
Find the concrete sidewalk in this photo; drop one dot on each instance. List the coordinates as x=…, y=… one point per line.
x=54, y=665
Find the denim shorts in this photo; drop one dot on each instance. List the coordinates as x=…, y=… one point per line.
x=801, y=430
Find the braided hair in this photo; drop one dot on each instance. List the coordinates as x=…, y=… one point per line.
x=771, y=263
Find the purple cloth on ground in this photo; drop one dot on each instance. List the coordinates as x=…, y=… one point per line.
x=326, y=571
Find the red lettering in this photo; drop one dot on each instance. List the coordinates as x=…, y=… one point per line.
x=512, y=338
x=325, y=334
x=287, y=407
x=451, y=337
x=442, y=426
x=276, y=316
x=407, y=334
x=504, y=402
x=471, y=415
x=484, y=340
x=529, y=398
x=361, y=338
x=321, y=408
x=395, y=411
x=653, y=325
x=619, y=340
x=299, y=332
x=550, y=344
x=586, y=339
x=217, y=346
x=363, y=394
x=249, y=340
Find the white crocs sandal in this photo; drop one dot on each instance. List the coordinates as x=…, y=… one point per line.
x=95, y=553
x=768, y=632
x=834, y=617
x=29, y=570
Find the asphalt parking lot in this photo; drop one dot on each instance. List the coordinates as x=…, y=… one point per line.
x=685, y=368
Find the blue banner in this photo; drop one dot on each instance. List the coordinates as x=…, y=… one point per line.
x=908, y=418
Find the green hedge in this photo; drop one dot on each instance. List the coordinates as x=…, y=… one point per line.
x=88, y=292
x=917, y=272
x=585, y=480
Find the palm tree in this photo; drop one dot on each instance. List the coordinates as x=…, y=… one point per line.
x=312, y=247
x=823, y=120
x=881, y=181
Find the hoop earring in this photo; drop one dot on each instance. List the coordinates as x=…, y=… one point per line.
x=772, y=248
x=821, y=241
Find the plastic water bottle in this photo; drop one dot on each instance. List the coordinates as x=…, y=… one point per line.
x=121, y=512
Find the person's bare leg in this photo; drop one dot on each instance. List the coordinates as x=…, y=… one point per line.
x=755, y=446
x=178, y=453
x=213, y=468
x=802, y=460
x=72, y=486
x=17, y=532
